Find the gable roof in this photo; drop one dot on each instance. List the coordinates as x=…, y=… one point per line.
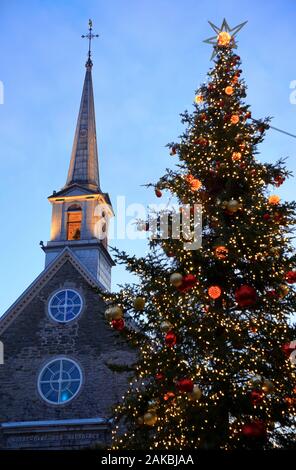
x=41, y=280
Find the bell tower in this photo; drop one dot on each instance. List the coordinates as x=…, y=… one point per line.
x=80, y=210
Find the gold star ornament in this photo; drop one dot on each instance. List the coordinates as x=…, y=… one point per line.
x=224, y=35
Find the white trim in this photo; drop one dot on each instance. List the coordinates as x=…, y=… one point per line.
x=59, y=358
x=60, y=422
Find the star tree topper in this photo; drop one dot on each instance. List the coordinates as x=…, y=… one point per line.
x=224, y=27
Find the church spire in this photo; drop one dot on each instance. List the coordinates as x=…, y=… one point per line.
x=83, y=169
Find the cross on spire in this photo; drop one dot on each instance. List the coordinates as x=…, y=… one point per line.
x=89, y=36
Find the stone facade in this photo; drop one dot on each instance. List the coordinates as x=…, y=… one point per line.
x=33, y=338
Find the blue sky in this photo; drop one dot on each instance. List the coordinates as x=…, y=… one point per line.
x=148, y=61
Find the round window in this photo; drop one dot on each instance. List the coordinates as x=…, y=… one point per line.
x=59, y=381
x=65, y=305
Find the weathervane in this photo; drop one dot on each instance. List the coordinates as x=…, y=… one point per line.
x=89, y=36
x=224, y=28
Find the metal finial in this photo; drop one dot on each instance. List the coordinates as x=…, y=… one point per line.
x=89, y=36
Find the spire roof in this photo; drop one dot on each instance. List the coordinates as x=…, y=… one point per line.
x=83, y=169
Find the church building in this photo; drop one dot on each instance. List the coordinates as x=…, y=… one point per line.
x=64, y=367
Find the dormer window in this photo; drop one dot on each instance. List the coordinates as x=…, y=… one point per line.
x=74, y=218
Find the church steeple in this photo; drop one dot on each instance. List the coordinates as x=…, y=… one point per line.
x=83, y=169
x=80, y=210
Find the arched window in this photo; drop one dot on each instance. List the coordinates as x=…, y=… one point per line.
x=74, y=218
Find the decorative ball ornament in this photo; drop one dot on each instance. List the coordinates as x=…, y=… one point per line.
x=267, y=386
x=274, y=200
x=196, y=393
x=283, y=291
x=170, y=339
x=158, y=193
x=214, y=292
x=139, y=303
x=288, y=348
x=202, y=141
x=118, y=324
x=176, y=279
x=291, y=277
x=229, y=90
x=198, y=99
x=256, y=396
x=188, y=282
x=223, y=38
x=236, y=156
x=234, y=119
x=160, y=376
x=255, y=429
x=245, y=296
x=278, y=180
x=233, y=205
x=150, y=418
x=185, y=385
x=114, y=313
x=173, y=150
x=221, y=252
x=166, y=326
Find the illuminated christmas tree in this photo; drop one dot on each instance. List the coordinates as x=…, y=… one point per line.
x=215, y=366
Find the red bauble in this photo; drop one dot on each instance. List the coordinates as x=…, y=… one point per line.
x=118, y=324
x=266, y=216
x=291, y=277
x=188, y=282
x=245, y=296
x=272, y=293
x=173, y=150
x=158, y=193
x=288, y=348
x=256, y=428
x=170, y=339
x=256, y=396
x=185, y=385
x=278, y=180
x=160, y=376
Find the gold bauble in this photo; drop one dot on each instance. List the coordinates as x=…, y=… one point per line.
x=176, y=279
x=150, y=418
x=267, y=386
x=114, y=313
x=198, y=99
x=284, y=290
x=139, y=303
x=166, y=326
x=196, y=393
x=233, y=205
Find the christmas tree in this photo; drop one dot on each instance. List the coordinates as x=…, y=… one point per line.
x=215, y=366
